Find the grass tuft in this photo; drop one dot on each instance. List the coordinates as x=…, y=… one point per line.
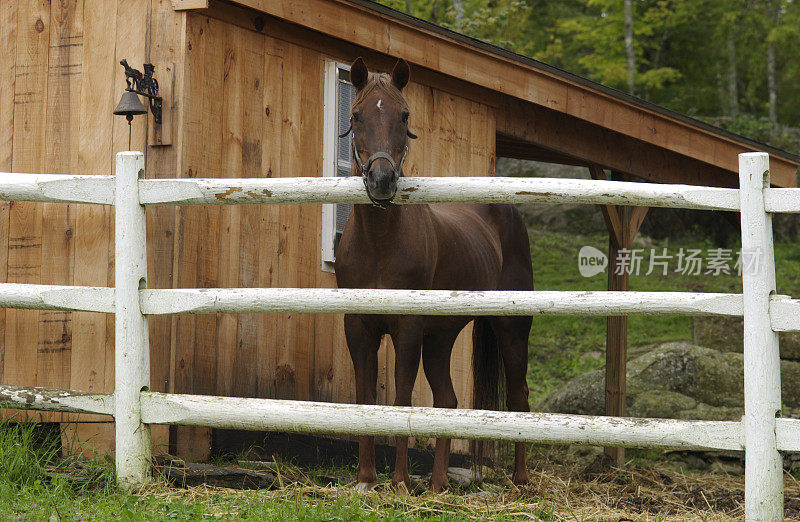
x=25, y=453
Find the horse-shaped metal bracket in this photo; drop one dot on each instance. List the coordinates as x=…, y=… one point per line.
x=144, y=85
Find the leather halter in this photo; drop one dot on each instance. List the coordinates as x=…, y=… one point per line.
x=363, y=170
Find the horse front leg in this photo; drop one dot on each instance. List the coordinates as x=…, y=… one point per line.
x=436, y=362
x=363, y=345
x=407, y=346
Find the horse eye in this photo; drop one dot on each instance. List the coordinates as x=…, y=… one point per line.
x=405, y=116
x=356, y=115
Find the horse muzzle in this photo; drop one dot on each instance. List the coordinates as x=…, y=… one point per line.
x=381, y=185
x=380, y=175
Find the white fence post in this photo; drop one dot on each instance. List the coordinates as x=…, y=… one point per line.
x=132, y=352
x=762, y=382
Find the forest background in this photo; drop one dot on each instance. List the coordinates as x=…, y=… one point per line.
x=732, y=63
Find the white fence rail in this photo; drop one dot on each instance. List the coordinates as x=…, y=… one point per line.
x=397, y=421
x=47, y=399
x=57, y=188
x=760, y=434
x=52, y=297
x=435, y=190
x=434, y=302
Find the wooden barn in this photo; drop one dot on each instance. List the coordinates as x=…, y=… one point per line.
x=258, y=88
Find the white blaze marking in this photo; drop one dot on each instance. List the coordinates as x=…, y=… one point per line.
x=380, y=101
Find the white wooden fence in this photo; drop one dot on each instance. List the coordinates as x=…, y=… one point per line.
x=761, y=434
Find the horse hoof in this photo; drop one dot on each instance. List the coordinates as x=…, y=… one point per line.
x=521, y=479
x=439, y=487
x=365, y=487
x=401, y=482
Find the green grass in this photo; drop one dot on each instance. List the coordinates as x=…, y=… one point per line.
x=564, y=347
x=34, y=486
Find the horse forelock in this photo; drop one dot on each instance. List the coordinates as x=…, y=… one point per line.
x=383, y=82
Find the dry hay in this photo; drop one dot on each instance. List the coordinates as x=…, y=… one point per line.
x=558, y=491
x=639, y=494
x=652, y=492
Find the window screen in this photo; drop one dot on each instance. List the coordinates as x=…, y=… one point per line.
x=345, y=94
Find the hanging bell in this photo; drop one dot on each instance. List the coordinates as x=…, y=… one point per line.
x=129, y=106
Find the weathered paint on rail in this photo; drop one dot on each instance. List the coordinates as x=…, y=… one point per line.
x=434, y=302
x=787, y=432
x=354, y=419
x=430, y=190
x=782, y=200
x=56, y=188
x=48, y=399
x=784, y=314
x=54, y=297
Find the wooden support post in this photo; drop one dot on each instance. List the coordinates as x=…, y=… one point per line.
x=763, y=479
x=132, y=350
x=623, y=223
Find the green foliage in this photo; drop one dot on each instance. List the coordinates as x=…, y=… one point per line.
x=498, y=24
x=763, y=130
x=682, y=47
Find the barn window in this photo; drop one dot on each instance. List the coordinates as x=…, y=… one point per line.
x=339, y=95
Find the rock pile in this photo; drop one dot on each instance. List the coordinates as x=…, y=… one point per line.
x=678, y=380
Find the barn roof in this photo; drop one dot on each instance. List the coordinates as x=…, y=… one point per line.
x=373, y=26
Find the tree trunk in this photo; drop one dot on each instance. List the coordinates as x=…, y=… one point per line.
x=660, y=50
x=408, y=8
x=458, y=7
x=773, y=91
x=733, y=94
x=629, y=46
x=435, y=12
x=772, y=84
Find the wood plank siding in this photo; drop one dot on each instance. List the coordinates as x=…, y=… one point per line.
x=247, y=101
x=61, y=78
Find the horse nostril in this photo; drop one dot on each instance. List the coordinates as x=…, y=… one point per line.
x=382, y=174
x=381, y=182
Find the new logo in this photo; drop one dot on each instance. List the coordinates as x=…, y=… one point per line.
x=591, y=261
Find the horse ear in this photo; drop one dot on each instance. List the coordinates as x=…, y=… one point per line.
x=400, y=74
x=359, y=73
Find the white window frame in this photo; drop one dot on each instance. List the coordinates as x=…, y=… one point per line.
x=330, y=160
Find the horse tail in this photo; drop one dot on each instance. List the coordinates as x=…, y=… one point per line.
x=486, y=382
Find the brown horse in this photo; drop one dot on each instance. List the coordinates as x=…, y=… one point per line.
x=442, y=246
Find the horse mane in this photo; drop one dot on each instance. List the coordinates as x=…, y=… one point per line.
x=384, y=82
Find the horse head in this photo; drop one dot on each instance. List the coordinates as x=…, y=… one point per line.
x=379, y=125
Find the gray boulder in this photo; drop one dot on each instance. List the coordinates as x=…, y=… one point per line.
x=677, y=380
x=725, y=334
x=464, y=477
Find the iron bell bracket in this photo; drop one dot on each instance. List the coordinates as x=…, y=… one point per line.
x=144, y=85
